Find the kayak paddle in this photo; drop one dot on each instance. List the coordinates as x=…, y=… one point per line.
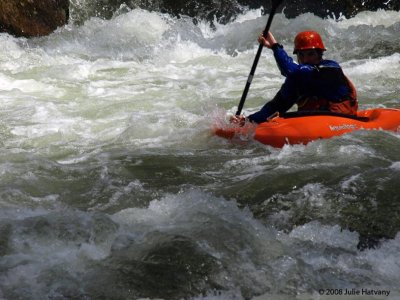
x=275, y=4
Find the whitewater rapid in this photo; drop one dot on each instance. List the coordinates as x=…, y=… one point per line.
x=113, y=186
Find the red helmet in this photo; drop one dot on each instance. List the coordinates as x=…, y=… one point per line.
x=308, y=40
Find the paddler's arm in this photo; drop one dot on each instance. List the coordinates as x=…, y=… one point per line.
x=285, y=63
x=269, y=108
x=277, y=104
x=287, y=67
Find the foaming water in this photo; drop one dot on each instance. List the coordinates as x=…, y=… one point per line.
x=110, y=175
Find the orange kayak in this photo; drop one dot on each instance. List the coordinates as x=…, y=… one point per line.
x=304, y=127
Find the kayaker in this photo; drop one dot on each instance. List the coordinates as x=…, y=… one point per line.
x=314, y=84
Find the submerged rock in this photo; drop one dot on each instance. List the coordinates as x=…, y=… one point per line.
x=32, y=17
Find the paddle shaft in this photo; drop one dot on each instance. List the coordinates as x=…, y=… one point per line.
x=275, y=5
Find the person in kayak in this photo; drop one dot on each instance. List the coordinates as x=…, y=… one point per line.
x=314, y=84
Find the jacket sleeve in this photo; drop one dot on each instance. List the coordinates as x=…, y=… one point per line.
x=278, y=104
x=286, y=64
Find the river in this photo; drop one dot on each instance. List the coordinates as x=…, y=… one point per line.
x=112, y=185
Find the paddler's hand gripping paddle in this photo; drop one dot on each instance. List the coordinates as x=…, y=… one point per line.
x=275, y=4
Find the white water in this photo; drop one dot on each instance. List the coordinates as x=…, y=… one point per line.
x=107, y=152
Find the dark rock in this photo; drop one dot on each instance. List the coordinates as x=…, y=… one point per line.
x=41, y=17
x=325, y=8
x=32, y=17
x=225, y=10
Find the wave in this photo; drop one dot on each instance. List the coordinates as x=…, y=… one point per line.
x=140, y=34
